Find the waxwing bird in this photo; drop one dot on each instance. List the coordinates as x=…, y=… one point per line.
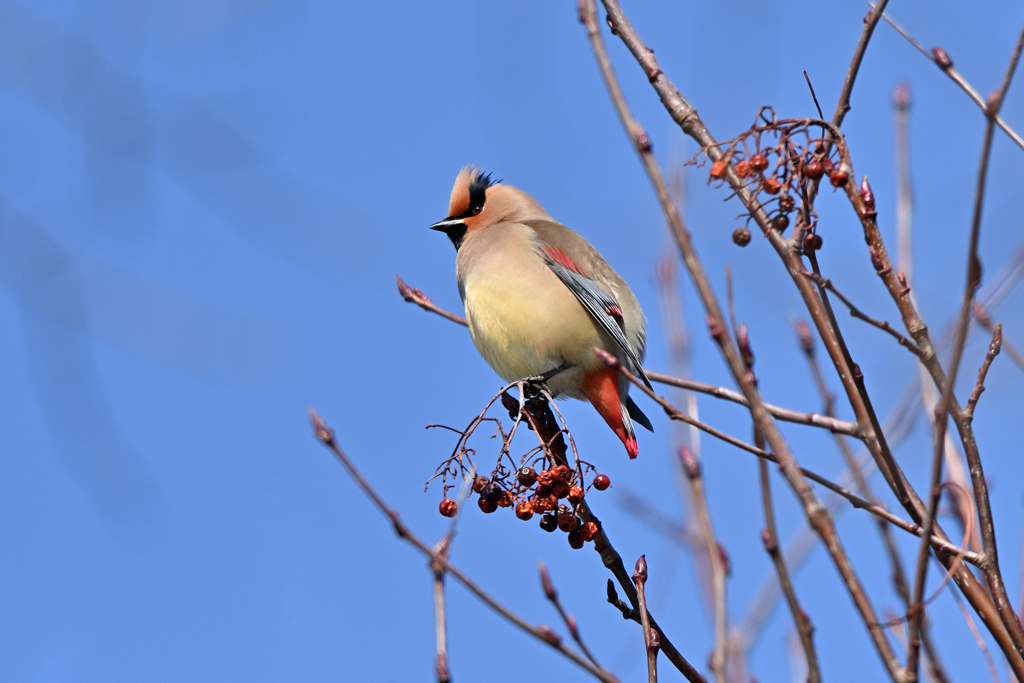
x=539, y=299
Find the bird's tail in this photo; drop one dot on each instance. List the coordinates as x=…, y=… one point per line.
x=601, y=388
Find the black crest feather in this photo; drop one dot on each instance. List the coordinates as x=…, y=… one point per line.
x=478, y=187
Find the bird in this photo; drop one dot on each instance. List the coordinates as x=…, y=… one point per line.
x=540, y=299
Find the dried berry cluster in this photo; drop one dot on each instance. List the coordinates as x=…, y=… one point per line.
x=541, y=492
x=779, y=162
x=540, y=483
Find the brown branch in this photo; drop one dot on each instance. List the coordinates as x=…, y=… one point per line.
x=860, y=315
x=650, y=635
x=834, y=425
x=981, y=315
x=770, y=537
x=551, y=593
x=720, y=653
x=941, y=544
x=870, y=21
x=542, y=633
x=895, y=560
x=441, y=663
x=941, y=59
x=979, y=384
x=542, y=420
x=414, y=296
x=685, y=115
x=973, y=277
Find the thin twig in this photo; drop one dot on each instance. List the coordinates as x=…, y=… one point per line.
x=834, y=425
x=941, y=59
x=650, y=635
x=870, y=21
x=720, y=653
x=770, y=537
x=982, y=316
x=941, y=544
x=684, y=114
x=857, y=313
x=551, y=593
x=542, y=633
x=979, y=384
x=973, y=278
x=415, y=296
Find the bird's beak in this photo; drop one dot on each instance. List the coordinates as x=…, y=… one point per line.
x=448, y=224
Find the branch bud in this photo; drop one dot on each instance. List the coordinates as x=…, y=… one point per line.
x=549, y=635
x=640, y=573
x=690, y=463
x=545, y=581
x=803, y=331
x=942, y=58
x=866, y=195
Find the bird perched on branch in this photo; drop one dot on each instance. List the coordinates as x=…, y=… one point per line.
x=539, y=299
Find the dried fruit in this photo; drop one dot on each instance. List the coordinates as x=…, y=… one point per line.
x=588, y=531
x=527, y=476
x=743, y=169
x=575, y=540
x=560, y=489
x=492, y=493
x=568, y=522
x=524, y=510
x=786, y=203
x=487, y=505
x=741, y=236
x=448, y=507
x=718, y=169
x=759, y=162
x=562, y=472
x=780, y=223
x=545, y=478
x=506, y=499
x=602, y=482
x=480, y=483
x=575, y=494
x=838, y=178
x=813, y=169
x=548, y=523
x=772, y=185
x=812, y=243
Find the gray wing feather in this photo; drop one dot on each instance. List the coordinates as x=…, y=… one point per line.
x=597, y=301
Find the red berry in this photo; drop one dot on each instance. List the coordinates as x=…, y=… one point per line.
x=812, y=243
x=480, y=483
x=772, y=185
x=548, y=523
x=602, y=482
x=448, y=507
x=743, y=169
x=759, y=162
x=562, y=472
x=718, y=169
x=545, y=478
x=780, y=222
x=524, y=510
x=588, y=531
x=527, y=477
x=560, y=489
x=568, y=522
x=506, y=499
x=575, y=494
x=813, y=169
x=488, y=505
x=838, y=178
x=575, y=540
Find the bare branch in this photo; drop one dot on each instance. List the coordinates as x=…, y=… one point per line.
x=651, y=640
x=542, y=633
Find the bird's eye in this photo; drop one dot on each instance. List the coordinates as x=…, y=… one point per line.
x=476, y=209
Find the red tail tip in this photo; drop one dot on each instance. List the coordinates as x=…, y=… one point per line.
x=632, y=448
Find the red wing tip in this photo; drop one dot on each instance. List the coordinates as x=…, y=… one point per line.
x=562, y=259
x=632, y=448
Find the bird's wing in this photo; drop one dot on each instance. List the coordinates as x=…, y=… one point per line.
x=595, y=297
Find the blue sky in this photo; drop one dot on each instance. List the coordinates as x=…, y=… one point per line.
x=203, y=208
